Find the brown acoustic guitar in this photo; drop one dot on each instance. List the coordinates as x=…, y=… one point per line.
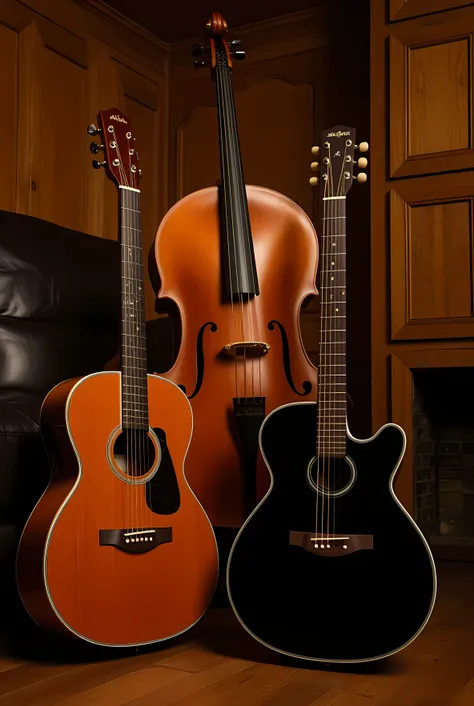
x=233, y=266
x=118, y=551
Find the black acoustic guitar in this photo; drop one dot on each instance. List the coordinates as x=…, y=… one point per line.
x=329, y=566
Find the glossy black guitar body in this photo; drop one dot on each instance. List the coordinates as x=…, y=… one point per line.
x=331, y=605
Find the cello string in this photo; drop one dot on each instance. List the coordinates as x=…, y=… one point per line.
x=245, y=228
x=252, y=307
x=230, y=135
x=225, y=169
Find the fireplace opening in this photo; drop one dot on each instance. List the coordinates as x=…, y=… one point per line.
x=443, y=454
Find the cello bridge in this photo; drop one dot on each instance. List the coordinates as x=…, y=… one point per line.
x=255, y=348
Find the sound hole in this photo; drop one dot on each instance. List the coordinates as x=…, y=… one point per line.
x=134, y=452
x=331, y=476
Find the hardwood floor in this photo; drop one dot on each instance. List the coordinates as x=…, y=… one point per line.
x=218, y=664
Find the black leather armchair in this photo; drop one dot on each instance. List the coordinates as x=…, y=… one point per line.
x=59, y=318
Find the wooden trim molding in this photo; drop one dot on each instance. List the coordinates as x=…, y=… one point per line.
x=403, y=9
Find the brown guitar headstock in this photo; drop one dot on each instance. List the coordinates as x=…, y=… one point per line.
x=218, y=52
x=118, y=144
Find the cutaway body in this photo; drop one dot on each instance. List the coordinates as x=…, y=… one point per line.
x=370, y=590
x=116, y=562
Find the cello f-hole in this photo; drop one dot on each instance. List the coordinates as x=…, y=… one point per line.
x=307, y=386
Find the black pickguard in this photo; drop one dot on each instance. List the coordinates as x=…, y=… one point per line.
x=162, y=491
x=356, y=607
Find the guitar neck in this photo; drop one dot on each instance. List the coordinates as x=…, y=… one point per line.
x=134, y=356
x=332, y=404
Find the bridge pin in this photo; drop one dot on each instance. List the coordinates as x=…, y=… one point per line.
x=316, y=546
x=146, y=539
x=322, y=546
x=142, y=539
x=344, y=546
x=132, y=539
x=127, y=541
x=328, y=546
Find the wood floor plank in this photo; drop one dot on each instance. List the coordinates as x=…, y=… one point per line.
x=218, y=664
x=194, y=684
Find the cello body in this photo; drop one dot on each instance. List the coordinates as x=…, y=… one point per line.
x=115, y=594
x=190, y=254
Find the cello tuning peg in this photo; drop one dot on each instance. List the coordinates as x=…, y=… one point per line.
x=362, y=177
x=314, y=181
x=97, y=165
x=363, y=147
x=315, y=150
x=95, y=147
x=93, y=130
x=238, y=55
x=314, y=166
x=361, y=162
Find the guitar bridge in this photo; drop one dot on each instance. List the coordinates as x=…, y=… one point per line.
x=135, y=541
x=332, y=544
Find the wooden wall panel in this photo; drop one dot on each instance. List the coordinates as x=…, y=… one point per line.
x=9, y=60
x=59, y=150
x=402, y=9
x=432, y=244
x=275, y=122
x=438, y=98
x=431, y=95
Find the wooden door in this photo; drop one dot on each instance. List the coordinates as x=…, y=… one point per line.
x=402, y=9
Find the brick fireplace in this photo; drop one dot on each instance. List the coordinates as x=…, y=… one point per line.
x=433, y=400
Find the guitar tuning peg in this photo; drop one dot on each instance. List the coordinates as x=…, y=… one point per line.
x=363, y=147
x=95, y=147
x=361, y=162
x=361, y=177
x=315, y=150
x=314, y=181
x=235, y=43
x=93, y=130
x=97, y=165
x=314, y=166
x=238, y=55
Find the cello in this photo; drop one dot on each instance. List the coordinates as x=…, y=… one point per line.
x=118, y=551
x=233, y=265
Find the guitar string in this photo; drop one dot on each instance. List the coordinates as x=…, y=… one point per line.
x=126, y=369
x=130, y=398
x=341, y=379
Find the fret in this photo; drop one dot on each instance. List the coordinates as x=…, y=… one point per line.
x=332, y=394
x=133, y=337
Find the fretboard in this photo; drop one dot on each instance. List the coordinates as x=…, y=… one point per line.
x=134, y=358
x=239, y=258
x=332, y=404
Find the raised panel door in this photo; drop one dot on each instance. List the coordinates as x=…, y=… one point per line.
x=431, y=95
x=431, y=241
